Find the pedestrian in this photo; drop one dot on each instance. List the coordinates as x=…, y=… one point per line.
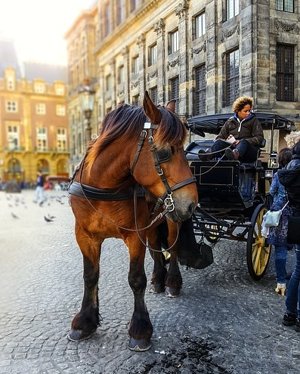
x=241, y=135
x=278, y=235
x=290, y=178
x=39, y=189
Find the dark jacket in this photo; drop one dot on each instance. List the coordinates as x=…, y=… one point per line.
x=249, y=129
x=290, y=178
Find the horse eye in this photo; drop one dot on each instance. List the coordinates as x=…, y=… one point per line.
x=164, y=155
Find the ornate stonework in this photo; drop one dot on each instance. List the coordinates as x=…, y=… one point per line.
x=227, y=33
x=173, y=63
x=181, y=9
x=286, y=26
x=159, y=27
x=199, y=49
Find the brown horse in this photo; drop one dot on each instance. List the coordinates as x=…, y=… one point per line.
x=106, y=201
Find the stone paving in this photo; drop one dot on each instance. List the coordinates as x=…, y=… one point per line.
x=223, y=322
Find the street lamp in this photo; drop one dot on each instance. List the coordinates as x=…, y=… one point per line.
x=87, y=97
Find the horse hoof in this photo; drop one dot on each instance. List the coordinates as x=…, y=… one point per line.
x=139, y=345
x=79, y=335
x=172, y=292
x=156, y=288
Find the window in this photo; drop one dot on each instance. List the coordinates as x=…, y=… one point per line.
x=121, y=75
x=60, y=90
x=107, y=20
x=199, y=25
x=135, y=65
x=174, y=90
x=200, y=90
x=133, y=5
x=285, y=78
x=232, y=76
x=60, y=110
x=10, y=82
x=173, y=42
x=285, y=5
x=153, y=94
x=39, y=87
x=108, y=83
x=152, y=55
x=11, y=106
x=135, y=100
x=233, y=8
x=40, y=108
x=13, y=137
x=41, y=142
x=120, y=16
x=61, y=139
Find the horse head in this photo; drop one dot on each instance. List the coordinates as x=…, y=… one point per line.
x=162, y=167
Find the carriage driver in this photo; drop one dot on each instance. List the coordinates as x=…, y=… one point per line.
x=241, y=135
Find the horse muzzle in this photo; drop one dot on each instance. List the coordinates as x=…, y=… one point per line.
x=182, y=211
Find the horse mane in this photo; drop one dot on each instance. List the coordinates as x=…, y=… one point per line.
x=127, y=121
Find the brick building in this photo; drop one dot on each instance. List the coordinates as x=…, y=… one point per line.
x=33, y=118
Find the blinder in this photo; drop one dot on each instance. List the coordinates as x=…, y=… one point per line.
x=164, y=155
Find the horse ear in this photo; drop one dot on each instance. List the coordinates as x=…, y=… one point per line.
x=151, y=109
x=171, y=105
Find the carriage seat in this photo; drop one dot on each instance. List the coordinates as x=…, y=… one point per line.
x=198, y=149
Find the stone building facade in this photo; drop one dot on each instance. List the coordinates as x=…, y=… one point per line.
x=204, y=54
x=33, y=121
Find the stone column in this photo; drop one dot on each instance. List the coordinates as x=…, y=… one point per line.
x=159, y=28
x=142, y=63
x=213, y=81
x=125, y=54
x=182, y=13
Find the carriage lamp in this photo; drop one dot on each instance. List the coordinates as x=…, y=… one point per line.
x=87, y=97
x=273, y=160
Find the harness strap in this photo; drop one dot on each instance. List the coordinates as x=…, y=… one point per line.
x=177, y=186
x=105, y=194
x=139, y=148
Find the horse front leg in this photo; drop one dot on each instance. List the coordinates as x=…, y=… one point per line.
x=140, y=329
x=85, y=322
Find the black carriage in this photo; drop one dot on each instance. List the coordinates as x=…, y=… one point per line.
x=233, y=196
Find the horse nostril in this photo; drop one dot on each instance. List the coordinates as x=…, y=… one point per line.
x=191, y=208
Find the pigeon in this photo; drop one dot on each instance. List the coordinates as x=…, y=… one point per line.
x=47, y=219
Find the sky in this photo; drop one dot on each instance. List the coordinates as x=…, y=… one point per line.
x=38, y=27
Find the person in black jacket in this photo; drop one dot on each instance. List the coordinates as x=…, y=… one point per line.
x=290, y=178
x=241, y=135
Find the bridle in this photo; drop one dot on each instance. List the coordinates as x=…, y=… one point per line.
x=159, y=157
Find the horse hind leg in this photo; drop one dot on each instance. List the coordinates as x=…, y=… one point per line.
x=159, y=272
x=174, y=278
x=85, y=322
x=140, y=329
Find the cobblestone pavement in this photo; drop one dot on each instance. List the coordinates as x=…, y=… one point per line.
x=223, y=323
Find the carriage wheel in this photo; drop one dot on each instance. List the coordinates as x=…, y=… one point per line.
x=258, y=251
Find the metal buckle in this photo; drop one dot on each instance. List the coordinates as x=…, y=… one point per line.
x=169, y=203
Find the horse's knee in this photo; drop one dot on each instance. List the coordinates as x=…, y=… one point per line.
x=137, y=280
